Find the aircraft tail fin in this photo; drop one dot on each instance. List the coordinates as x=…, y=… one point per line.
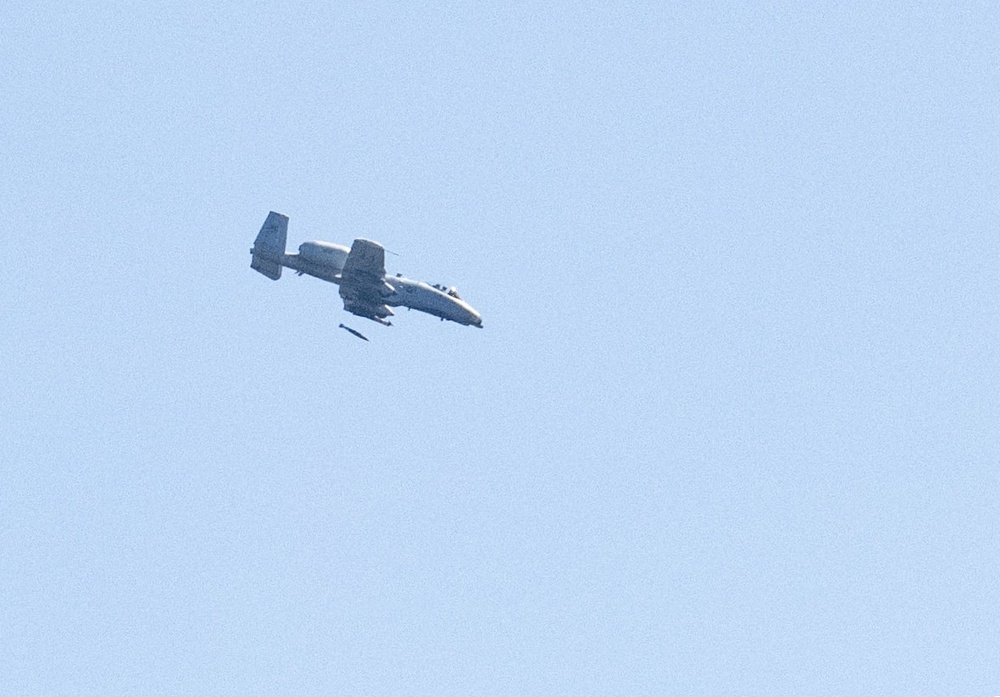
x=269, y=246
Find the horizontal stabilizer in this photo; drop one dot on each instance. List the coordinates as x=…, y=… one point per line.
x=271, y=269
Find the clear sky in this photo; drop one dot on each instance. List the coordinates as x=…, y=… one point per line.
x=732, y=425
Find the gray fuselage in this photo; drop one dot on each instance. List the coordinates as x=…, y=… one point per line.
x=325, y=261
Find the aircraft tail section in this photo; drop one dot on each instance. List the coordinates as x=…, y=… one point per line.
x=269, y=246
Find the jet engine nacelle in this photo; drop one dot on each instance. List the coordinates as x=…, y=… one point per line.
x=324, y=254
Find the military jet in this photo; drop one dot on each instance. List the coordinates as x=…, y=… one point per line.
x=360, y=272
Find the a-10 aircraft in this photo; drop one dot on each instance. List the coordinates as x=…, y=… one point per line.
x=360, y=273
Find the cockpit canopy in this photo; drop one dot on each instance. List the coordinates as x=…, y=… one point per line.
x=453, y=291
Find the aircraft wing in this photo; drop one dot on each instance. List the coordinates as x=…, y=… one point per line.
x=362, y=281
x=365, y=265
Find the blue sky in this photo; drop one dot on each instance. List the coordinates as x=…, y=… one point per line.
x=731, y=425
